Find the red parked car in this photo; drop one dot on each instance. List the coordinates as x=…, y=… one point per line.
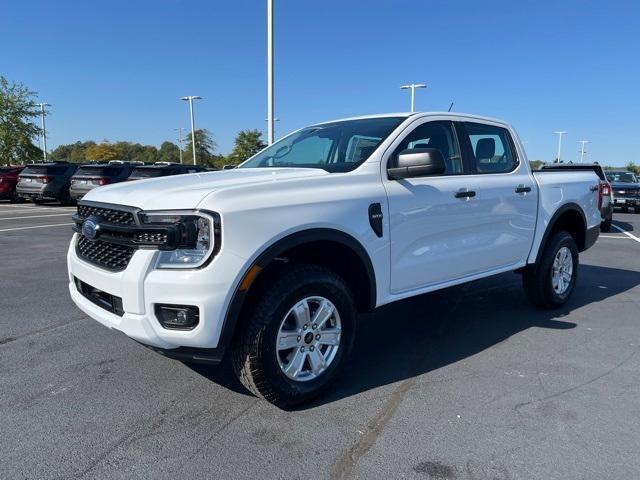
x=8, y=181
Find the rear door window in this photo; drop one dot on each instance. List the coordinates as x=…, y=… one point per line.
x=491, y=147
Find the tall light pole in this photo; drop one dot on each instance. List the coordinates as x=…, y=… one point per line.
x=560, y=134
x=179, y=130
x=270, y=101
x=412, y=87
x=582, y=151
x=44, y=130
x=190, y=99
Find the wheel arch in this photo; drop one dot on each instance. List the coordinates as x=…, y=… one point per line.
x=571, y=218
x=302, y=245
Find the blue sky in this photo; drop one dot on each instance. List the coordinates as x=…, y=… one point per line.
x=115, y=70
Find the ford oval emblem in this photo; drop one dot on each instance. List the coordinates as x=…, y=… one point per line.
x=90, y=228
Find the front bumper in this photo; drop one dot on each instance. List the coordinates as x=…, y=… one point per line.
x=141, y=286
x=626, y=202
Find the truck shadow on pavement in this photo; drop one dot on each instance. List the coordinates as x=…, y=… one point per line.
x=418, y=335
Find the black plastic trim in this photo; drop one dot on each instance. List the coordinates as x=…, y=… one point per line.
x=563, y=209
x=207, y=356
x=277, y=249
x=591, y=236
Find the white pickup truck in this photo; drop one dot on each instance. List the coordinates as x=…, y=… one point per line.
x=271, y=262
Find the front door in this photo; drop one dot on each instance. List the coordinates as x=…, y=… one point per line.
x=432, y=226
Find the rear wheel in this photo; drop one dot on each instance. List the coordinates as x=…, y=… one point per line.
x=295, y=340
x=550, y=283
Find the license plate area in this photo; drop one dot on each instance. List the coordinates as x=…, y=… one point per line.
x=105, y=300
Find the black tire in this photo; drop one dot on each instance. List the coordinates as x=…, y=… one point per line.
x=537, y=279
x=636, y=210
x=38, y=202
x=605, y=226
x=254, y=354
x=624, y=209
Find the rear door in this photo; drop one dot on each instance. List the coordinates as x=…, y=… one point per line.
x=506, y=198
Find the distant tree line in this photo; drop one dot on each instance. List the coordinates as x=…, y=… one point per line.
x=247, y=143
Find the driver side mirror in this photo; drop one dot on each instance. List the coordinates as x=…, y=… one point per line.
x=417, y=162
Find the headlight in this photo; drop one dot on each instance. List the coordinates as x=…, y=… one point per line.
x=198, y=237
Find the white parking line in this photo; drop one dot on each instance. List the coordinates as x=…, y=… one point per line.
x=36, y=216
x=626, y=233
x=36, y=226
x=617, y=238
x=39, y=209
x=22, y=205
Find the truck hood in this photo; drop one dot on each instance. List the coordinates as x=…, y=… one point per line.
x=187, y=191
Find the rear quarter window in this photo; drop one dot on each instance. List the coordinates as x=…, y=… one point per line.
x=492, y=148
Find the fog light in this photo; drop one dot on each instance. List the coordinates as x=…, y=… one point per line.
x=177, y=317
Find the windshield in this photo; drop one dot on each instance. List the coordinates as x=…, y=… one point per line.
x=334, y=147
x=622, y=177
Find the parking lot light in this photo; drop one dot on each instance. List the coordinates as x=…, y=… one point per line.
x=190, y=99
x=412, y=87
x=560, y=134
x=44, y=130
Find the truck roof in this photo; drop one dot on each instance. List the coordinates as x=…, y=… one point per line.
x=418, y=114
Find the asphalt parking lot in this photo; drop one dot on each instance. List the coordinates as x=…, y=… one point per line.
x=466, y=383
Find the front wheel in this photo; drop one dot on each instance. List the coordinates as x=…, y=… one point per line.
x=294, y=342
x=550, y=283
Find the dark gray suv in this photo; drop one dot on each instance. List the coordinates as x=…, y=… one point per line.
x=88, y=177
x=45, y=182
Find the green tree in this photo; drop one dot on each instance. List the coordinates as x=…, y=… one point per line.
x=205, y=146
x=535, y=164
x=632, y=167
x=17, y=130
x=73, y=152
x=169, y=152
x=247, y=144
x=102, y=152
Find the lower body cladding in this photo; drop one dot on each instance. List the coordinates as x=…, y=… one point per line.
x=179, y=313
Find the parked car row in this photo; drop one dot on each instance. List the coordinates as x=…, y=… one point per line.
x=66, y=182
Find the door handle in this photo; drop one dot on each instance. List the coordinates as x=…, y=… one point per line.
x=465, y=194
x=522, y=189
x=593, y=188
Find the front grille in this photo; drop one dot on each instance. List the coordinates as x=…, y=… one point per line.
x=632, y=193
x=115, y=217
x=153, y=238
x=107, y=255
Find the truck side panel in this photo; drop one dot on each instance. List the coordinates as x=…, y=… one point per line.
x=557, y=189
